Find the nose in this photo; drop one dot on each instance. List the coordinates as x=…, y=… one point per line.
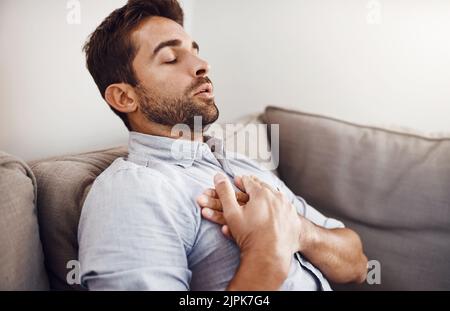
x=200, y=68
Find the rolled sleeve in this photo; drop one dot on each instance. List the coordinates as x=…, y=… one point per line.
x=314, y=215
x=307, y=211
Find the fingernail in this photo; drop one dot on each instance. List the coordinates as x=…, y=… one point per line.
x=219, y=178
x=208, y=212
x=202, y=199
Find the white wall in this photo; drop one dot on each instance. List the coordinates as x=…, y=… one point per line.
x=318, y=55
x=49, y=104
x=346, y=59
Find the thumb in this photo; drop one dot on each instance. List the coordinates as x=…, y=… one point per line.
x=226, y=194
x=239, y=183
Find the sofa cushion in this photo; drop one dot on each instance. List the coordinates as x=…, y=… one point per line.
x=63, y=185
x=392, y=188
x=21, y=258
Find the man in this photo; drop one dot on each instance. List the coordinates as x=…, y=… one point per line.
x=141, y=227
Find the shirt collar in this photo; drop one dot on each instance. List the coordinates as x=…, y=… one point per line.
x=143, y=147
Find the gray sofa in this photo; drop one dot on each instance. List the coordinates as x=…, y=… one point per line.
x=392, y=187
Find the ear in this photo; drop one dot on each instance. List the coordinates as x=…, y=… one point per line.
x=122, y=97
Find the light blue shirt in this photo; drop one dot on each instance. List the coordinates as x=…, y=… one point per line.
x=141, y=228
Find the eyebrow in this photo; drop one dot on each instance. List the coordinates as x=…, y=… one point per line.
x=174, y=42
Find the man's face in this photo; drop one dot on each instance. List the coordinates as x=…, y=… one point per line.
x=173, y=83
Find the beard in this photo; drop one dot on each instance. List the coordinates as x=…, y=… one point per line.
x=171, y=111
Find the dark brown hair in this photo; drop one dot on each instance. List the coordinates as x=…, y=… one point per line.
x=109, y=49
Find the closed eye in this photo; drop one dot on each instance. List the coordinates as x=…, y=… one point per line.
x=171, y=62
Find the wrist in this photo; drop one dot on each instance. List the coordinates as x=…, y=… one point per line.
x=308, y=238
x=260, y=271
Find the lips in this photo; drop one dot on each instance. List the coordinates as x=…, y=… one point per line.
x=205, y=88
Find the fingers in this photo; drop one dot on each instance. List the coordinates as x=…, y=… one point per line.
x=210, y=200
x=238, y=182
x=262, y=184
x=250, y=184
x=211, y=193
x=226, y=194
x=206, y=201
x=214, y=216
x=242, y=198
x=226, y=232
x=240, y=185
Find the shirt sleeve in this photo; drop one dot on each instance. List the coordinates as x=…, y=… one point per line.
x=129, y=238
x=307, y=211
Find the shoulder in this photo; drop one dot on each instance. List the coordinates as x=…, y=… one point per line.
x=125, y=184
x=127, y=195
x=127, y=171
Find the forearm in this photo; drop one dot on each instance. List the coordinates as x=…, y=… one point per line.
x=337, y=253
x=259, y=273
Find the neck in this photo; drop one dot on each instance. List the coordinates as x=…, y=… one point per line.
x=151, y=128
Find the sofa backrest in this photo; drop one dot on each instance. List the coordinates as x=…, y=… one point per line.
x=21, y=258
x=392, y=188
x=63, y=183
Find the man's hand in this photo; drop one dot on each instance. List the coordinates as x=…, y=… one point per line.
x=212, y=207
x=265, y=228
x=338, y=253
